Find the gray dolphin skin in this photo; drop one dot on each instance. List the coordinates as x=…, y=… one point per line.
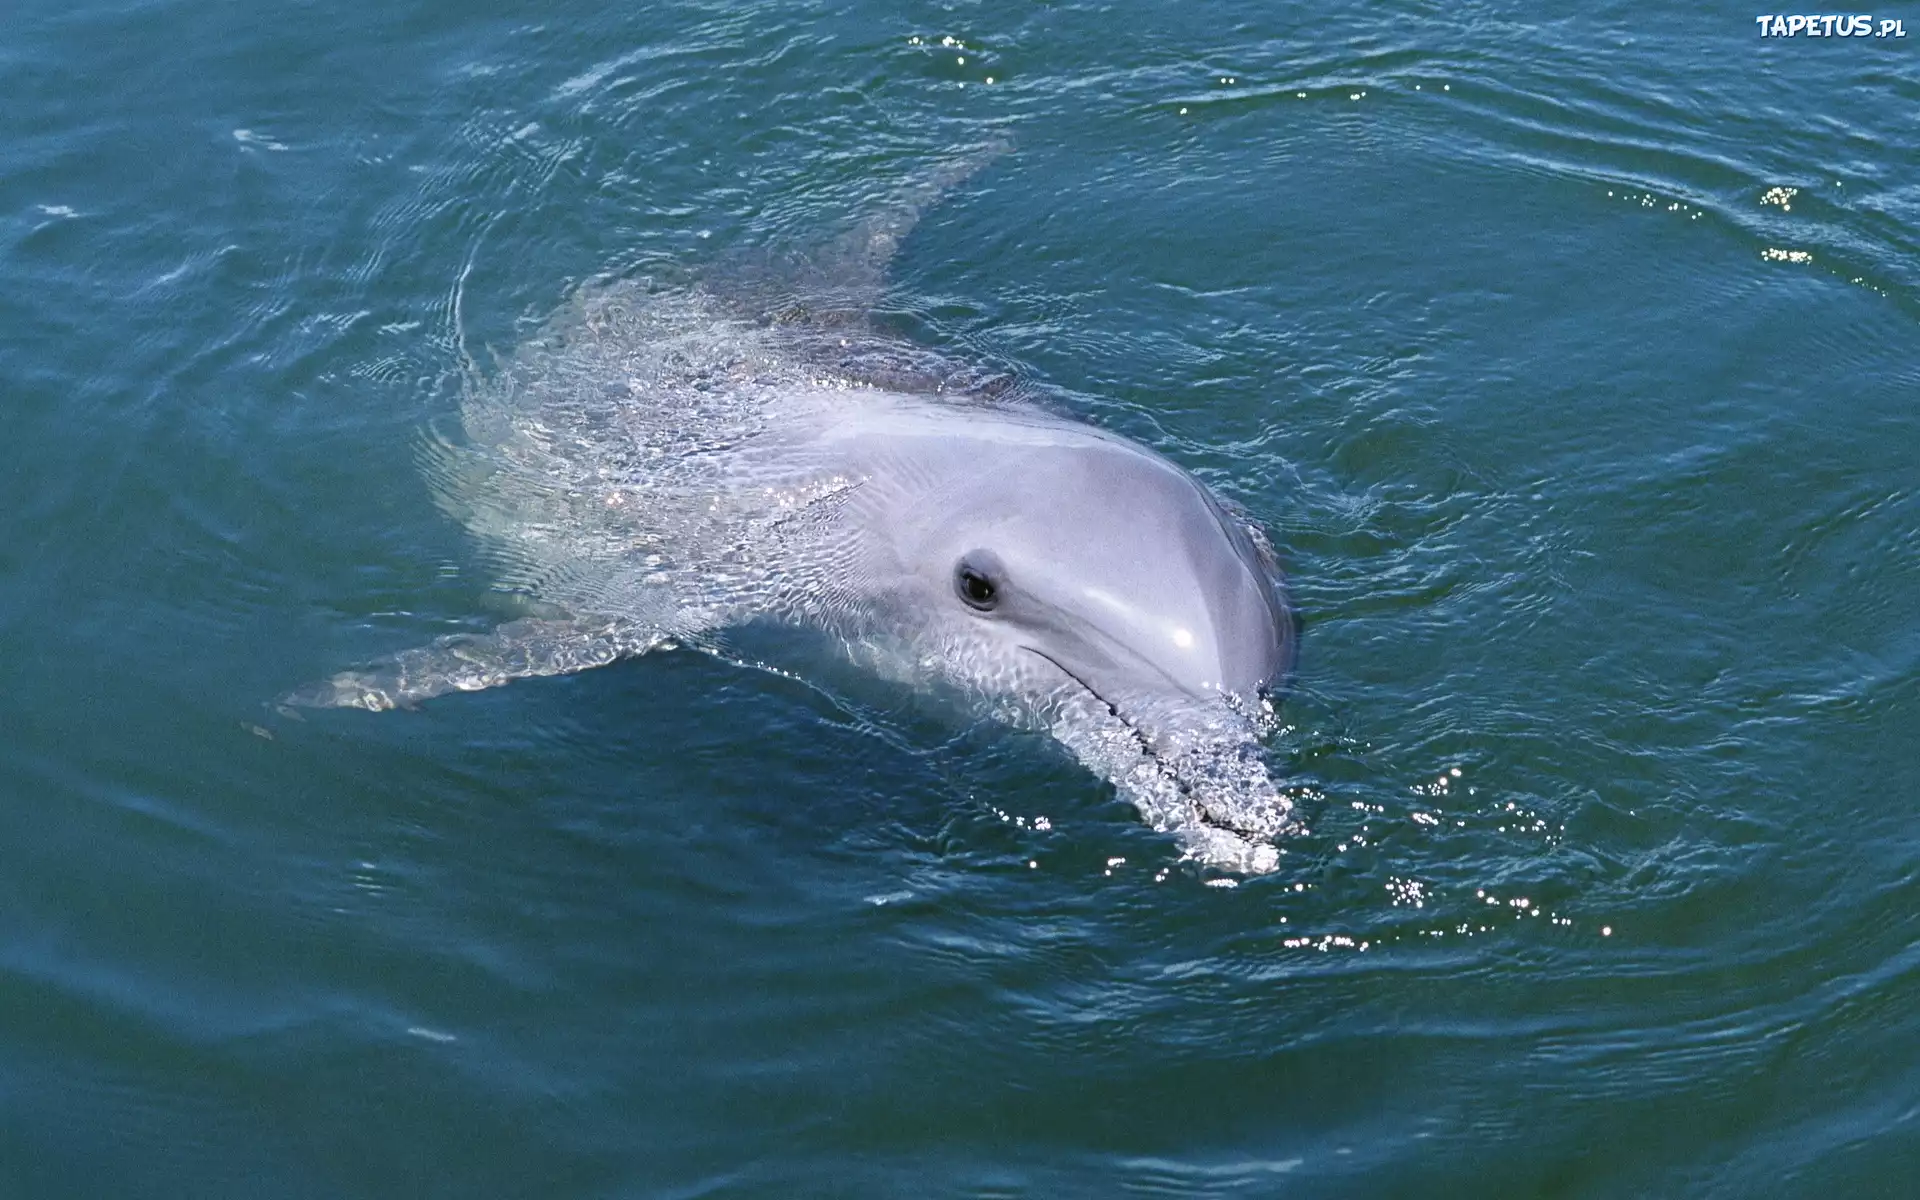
x=665, y=462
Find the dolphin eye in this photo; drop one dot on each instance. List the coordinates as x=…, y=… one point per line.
x=974, y=587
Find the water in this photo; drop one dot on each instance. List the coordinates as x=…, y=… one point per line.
x=1570, y=357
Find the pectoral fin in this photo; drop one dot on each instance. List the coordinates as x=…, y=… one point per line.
x=470, y=662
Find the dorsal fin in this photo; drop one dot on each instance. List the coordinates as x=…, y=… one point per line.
x=858, y=259
x=837, y=284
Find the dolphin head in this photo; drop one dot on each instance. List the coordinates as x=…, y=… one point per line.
x=1069, y=561
x=1119, y=570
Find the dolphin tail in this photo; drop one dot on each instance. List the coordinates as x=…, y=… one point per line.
x=520, y=649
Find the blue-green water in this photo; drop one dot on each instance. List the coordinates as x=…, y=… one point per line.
x=1572, y=358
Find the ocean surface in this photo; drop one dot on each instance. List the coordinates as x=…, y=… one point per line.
x=1570, y=354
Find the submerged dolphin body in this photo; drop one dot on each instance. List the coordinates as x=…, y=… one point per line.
x=662, y=464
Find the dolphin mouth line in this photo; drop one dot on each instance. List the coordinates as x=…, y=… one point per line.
x=1146, y=747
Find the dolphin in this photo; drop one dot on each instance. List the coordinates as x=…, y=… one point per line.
x=663, y=463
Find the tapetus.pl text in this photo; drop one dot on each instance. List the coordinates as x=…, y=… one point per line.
x=1856, y=25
